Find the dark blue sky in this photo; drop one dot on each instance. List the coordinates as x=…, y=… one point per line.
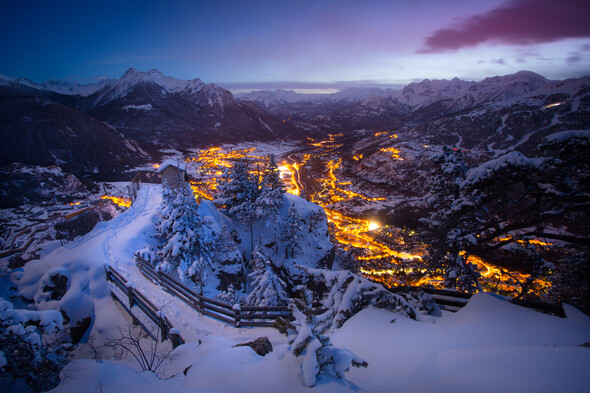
x=270, y=42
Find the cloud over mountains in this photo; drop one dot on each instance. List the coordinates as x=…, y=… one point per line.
x=518, y=22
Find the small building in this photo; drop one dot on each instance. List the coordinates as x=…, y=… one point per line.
x=173, y=172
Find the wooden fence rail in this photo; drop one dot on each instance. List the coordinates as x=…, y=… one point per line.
x=139, y=300
x=133, y=187
x=246, y=316
x=13, y=250
x=454, y=300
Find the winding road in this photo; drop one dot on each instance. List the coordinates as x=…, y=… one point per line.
x=297, y=178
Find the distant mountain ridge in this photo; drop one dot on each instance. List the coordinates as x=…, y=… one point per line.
x=59, y=86
x=412, y=96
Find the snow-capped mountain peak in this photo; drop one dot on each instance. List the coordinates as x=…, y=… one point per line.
x=59, y=86
x=73, y=88
x=428, y=91
x=6, y=80
x=467, y=93
x=208, y=95
x=172, y=85
x=521, y=76
x=133, y=77
x=193, y=85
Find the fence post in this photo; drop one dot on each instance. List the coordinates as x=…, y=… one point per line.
x=162, y=325
x=159, y=271
x=130, y=293
x=174, y=337
x=107, y=270
x=197, y=304
x=237, y=314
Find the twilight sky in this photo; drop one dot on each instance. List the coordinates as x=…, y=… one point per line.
x=295, y=44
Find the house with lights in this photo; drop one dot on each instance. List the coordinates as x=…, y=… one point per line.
x=173, y=172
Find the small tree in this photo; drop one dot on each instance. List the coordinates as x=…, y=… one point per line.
x=190, y=240
x=268, y=203
x=133, y=341
x=309, y=342
x=315, y=217
x=228, y=296
x=239, y=194
x=267, y=288
x=226, y=245
x=292, y=232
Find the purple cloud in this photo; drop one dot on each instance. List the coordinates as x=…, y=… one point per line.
x=517, y=22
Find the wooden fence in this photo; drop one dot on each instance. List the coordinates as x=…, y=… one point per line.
x=454, y=300
x=14, y=250
x=237, y=316
x=136, y=298
x=133, y=187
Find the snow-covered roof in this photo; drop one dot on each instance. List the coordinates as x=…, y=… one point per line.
x=173, y=163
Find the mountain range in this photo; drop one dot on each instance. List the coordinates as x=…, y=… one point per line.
x=107, y=126
x=124, y=120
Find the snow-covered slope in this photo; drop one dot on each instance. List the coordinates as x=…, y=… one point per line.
x=489, y=346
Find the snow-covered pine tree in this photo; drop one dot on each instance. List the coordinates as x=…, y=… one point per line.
x=292, y=232
x=315, y=217
x=189, y=239
x=268, y=290
x=239, y=193
x=168, y=197
x=227, y=251
x=308, y=341
x=271, y=177
x=228, y=296
x=347, y=294
x=270, y=196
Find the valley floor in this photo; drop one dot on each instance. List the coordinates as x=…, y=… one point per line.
x=488, y=346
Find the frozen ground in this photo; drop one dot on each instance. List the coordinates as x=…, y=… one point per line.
x=488, y=346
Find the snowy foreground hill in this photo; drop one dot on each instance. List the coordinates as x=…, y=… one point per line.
x=488, y=346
